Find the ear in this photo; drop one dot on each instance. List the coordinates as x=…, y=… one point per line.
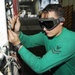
x=62, y=20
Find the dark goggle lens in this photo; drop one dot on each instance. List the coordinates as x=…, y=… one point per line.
x=48, y=24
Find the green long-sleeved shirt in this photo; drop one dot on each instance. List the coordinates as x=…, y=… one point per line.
x=60, y=51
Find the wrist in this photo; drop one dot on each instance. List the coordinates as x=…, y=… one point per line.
x=17, y=32
x=16, y=43
x=18, y=46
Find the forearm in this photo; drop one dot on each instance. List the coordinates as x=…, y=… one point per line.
x=30, y=40
x=48, y=61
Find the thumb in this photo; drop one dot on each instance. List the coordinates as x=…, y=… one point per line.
x=13, y=33
x=10, y=35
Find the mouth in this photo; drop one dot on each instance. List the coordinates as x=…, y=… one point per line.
x=47, y=33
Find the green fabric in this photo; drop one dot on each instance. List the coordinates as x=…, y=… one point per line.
x=60, y=52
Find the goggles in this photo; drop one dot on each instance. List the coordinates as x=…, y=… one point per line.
x=50, y=23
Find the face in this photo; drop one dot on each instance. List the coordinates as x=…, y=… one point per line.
x=57, y=30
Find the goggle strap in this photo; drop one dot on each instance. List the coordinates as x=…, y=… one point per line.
x=61, y=19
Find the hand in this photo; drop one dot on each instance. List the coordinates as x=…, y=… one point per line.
x=14, y=21
x=13, y=37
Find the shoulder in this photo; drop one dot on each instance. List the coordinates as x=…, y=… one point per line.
x=69, y=34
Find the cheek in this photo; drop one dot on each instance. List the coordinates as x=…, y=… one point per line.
x=53, y=32
x=56, y=30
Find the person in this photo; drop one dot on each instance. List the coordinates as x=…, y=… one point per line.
x=59, y=43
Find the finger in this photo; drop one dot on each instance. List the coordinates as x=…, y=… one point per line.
x=13, y=20
x=9, y=20
x=17, y=25
x=18, y=20
x=9, y=26
x=10, y=36
x=12, y=33
x=18, y=14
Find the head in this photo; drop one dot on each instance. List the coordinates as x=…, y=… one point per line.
x=52, y=19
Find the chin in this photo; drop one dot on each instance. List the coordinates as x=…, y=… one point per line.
x=49, y=35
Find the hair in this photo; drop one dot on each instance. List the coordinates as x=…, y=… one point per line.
x=57, y=8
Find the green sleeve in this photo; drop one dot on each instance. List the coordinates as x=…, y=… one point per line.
x=50, y=59
x=31, y=40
